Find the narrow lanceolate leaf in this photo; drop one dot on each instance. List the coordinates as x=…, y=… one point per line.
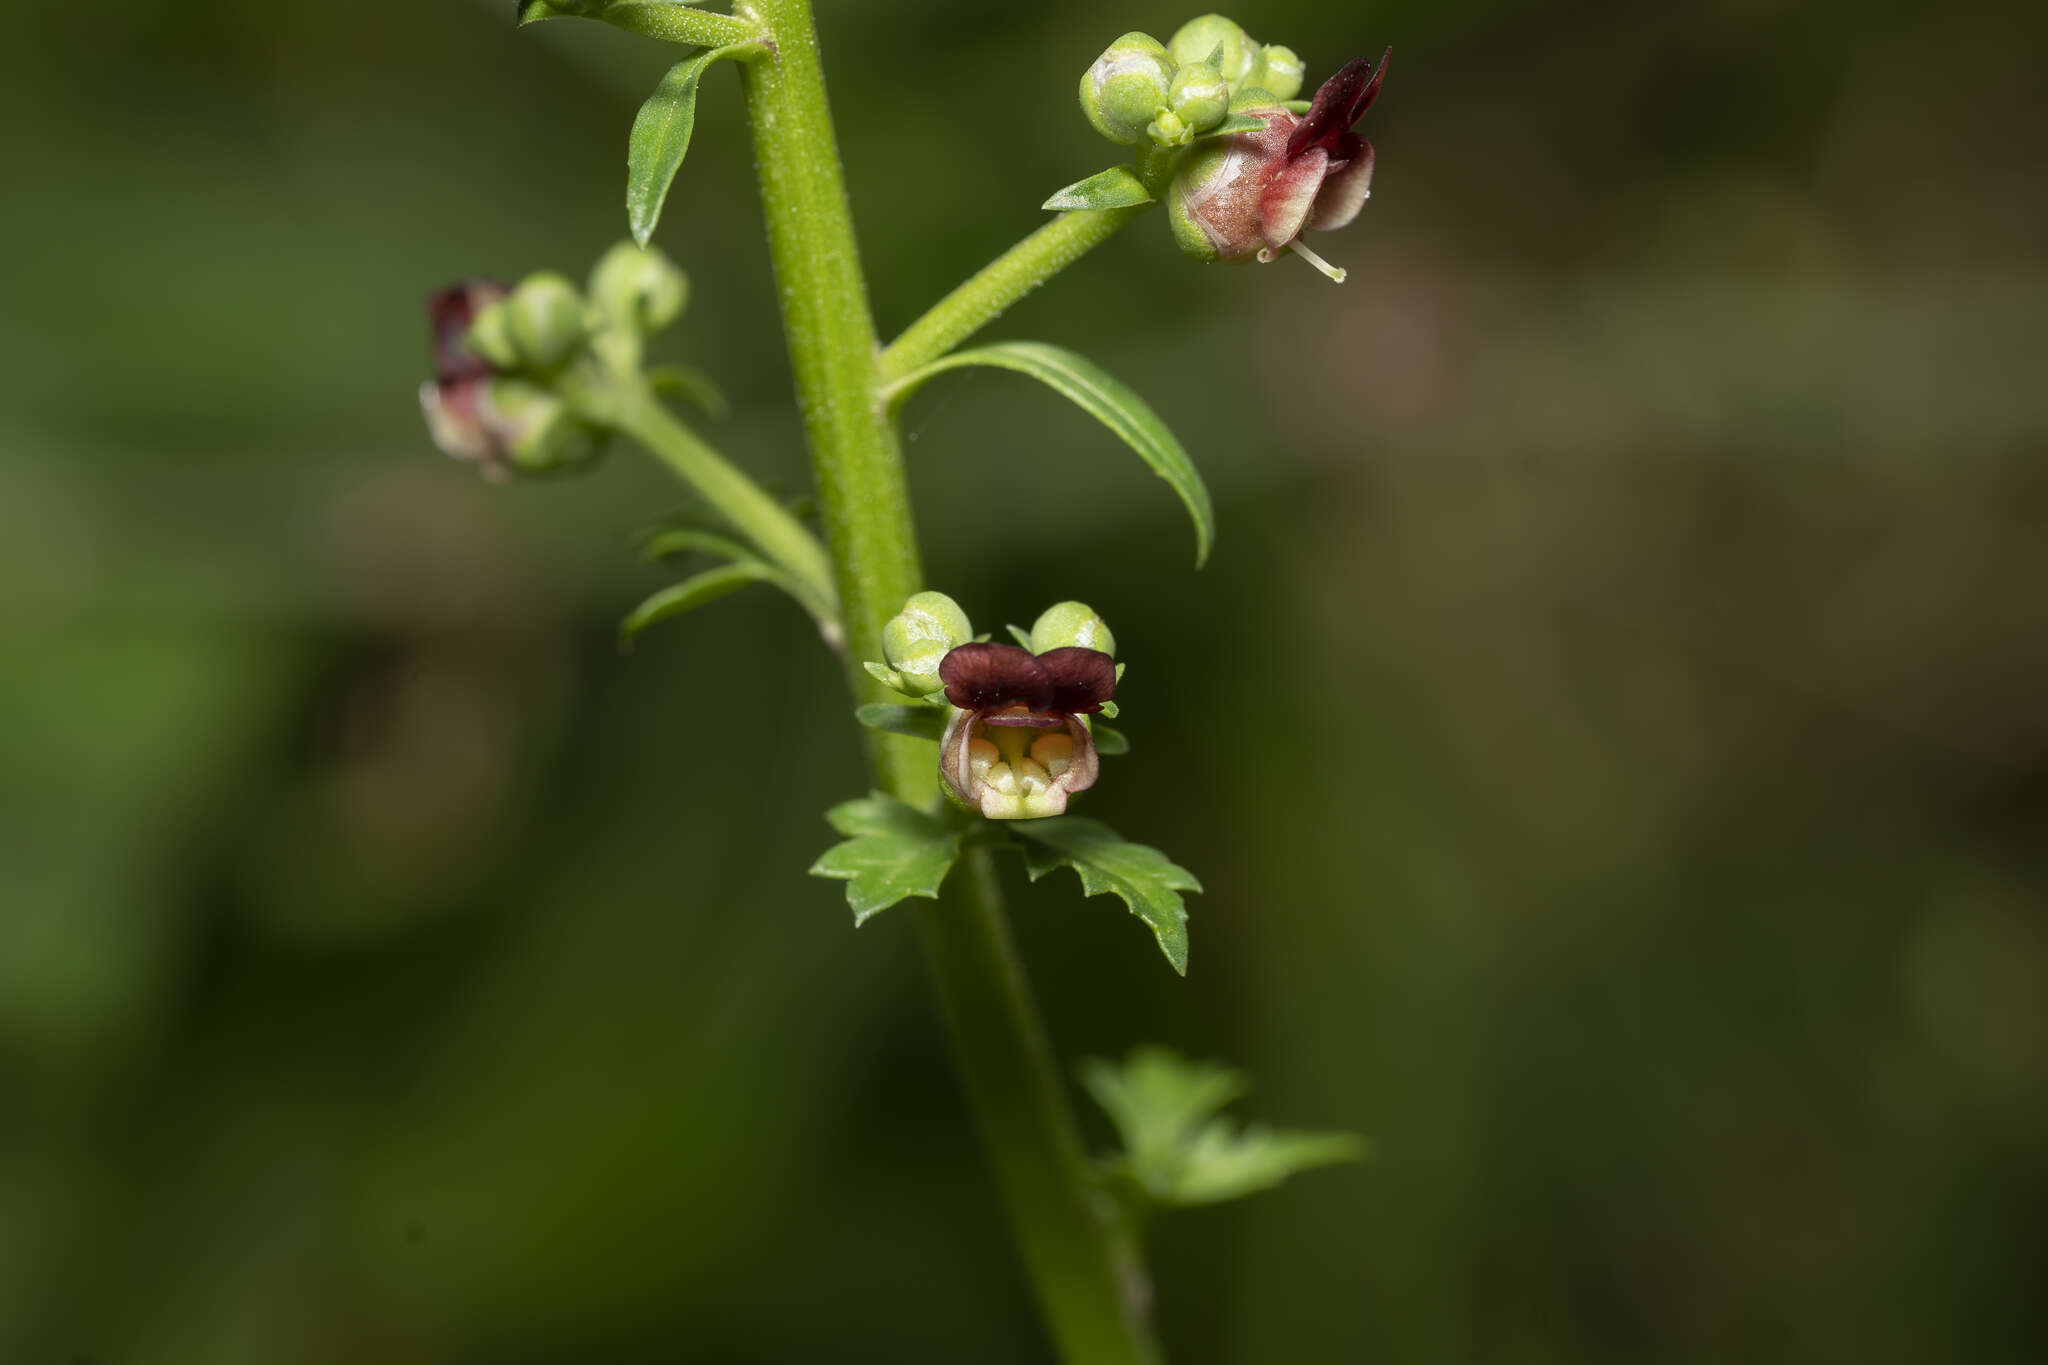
x=1116, y=188
x=660, y=137
x=919, y=722
x=693, y=592
x=892, y=852
x=1104, y=398
x=684, y=540
x=674, y=21
x=1147, y=880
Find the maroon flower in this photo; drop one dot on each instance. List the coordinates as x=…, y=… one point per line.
x=1016, y=748
x=1250, y=195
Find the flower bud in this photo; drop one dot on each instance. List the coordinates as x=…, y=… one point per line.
x=1071, y=624
x=541, y=436
x=919, y=636
x=537, y=328
x=505, y=426
x=1199, y=39
x=638, y=288
x=1200, y=97
x=1127, y=87
x=1277, y=71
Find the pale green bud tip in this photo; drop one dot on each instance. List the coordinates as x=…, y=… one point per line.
x=919, y=636
x=1277, y=71
x=543, y=320
x=1127, y=87
x=638, y=288
x=1200, y=97
x=540, y=434
x=1200, y=39
x=1071, y=624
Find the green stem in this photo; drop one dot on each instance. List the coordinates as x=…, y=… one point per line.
x=1010, y=276
x=1086, y=1279
x=737, y=498
x=1000, y=283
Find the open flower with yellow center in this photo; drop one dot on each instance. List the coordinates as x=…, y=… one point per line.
x=1016, y=746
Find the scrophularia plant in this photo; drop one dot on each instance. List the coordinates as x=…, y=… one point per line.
x=977, y=747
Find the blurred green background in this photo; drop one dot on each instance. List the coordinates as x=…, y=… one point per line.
x=1611, y=730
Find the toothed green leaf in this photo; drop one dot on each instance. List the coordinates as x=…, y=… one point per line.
x=892, y=852
x=1146, y=879
x=1179, y=1150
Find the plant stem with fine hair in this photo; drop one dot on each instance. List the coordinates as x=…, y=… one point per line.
x=1079, y=1258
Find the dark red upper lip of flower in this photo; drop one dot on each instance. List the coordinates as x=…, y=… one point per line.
x=450, y=311
x=1339, y=103
x=1070, y=681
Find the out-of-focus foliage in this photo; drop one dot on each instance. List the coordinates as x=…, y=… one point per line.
x=1609, y=728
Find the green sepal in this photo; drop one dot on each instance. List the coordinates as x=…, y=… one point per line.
x=892, y=852
x=1020, y=635
x=886, y=676
x=1108, y=741
x=1146, y=879
x=1116, y=188
x=1178, y=1149
x=693, y=386
x=1237, y=123
x=1102, y=397
x=1296, y=106
x=1109, y=709
x=918, y=722
x=694, y=592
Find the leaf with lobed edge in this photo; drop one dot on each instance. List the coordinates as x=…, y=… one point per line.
x=1116, y=188
x=1178, y=1148
x=892, y=852
x=1147, y=880
x=1107, y=400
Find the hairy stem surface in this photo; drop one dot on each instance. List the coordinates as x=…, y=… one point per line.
x=1085, y=1280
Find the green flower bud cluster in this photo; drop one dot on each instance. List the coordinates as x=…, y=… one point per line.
x=502, y=357
x=1141, y=89
x=918, y=638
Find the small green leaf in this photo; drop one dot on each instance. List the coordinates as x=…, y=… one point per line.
x=1116, y=188
x=919, y=722
x=693, y=592
x=1223, y=1164
x=1147, y=880
x=1178, y=1150
x=1108, y=741
x=1102, y=397
x=892, y=852
x=660, y=137
x=693, y=386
